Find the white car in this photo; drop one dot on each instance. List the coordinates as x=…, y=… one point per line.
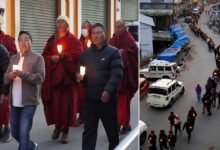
x=164, y=92
x=158, y=69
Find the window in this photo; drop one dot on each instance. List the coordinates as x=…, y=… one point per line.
x=173, y=87
x=160, y=68
x=169, y=90
x=152, y=68
x=157, y=91
x=168, y=69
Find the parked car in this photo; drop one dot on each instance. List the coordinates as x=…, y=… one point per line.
x=144, y=86
x=164, y=92
x=160, y=69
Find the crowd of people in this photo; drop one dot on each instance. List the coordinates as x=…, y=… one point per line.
x=175, y=126
x=209, y=99
x=103, y=91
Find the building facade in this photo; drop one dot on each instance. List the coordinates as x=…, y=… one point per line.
x=39, y=16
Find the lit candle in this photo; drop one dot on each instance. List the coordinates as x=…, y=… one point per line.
x=89, y=43
x=15, y=67
x=59, y=48
x=82, y=70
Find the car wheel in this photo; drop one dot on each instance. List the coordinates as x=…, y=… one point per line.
x=142, y=76
x=166, y=77
x=182, y=91
x=171, y=102
x=143, y=138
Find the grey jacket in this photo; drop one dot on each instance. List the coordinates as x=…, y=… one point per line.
x=32, y=76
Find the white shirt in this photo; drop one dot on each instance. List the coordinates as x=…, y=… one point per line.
x=17, y=87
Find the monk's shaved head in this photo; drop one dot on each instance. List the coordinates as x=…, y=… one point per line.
x=120, y=27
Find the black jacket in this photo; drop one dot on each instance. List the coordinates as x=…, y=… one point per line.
x=104, y=72
x=4, y=62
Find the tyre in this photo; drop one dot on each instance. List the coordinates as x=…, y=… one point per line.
x=171, y=102
x=166, y=77
x=143, y=138
x=182, y=91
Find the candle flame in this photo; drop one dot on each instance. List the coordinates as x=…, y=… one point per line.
x=82, y=70
x=59, y=48
x=89, y=43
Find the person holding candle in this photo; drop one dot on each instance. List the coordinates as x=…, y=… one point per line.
x=59, y=93
x=86, y=33
x=25, y=82
x=85, y=39
x=8, y=42
x=128, y=49
x=192, y=114
x=103, y=73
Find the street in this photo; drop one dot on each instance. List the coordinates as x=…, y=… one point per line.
x=199, y=66
x=41, y=133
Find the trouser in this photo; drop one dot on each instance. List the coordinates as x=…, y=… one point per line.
x=198, y=96
x=163, y=146
x=177, y=127
x=108, y=115
x=171, y=146
x=189, y=135
x=21, y=124
x=209, y=109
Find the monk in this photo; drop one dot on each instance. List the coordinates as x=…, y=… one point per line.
x=59, y=93
x=9, y=43
x=128, y=49
x=85, y=39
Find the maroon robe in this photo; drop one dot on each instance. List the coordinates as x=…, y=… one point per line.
x=129, y=83
x=80, y=87
x=9, y=43
x=59, y=93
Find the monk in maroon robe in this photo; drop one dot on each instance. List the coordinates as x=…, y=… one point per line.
x=9, y=43
x=59, y=93
x=85, y=39
x=124, y=41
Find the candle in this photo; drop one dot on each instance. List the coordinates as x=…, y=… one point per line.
x=82, y=70
x=15, y=67
x=59, y=48
x=89, y=43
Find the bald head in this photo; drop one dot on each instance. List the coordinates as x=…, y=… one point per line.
x=119, y=27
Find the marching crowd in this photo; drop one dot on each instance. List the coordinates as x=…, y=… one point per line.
x=209, y=99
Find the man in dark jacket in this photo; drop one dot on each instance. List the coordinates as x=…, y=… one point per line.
x=4, y=61
x=188, y=126
x=102, y=76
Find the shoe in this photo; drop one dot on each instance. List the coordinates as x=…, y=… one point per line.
x=124, y=130
x=35, y=146
x=6, y=135
x=56, y=134
x=64, y=138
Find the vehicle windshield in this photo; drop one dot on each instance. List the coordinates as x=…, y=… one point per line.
x=157, y=91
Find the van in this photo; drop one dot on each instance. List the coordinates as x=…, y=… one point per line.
x=164, y=92
x=160, y=69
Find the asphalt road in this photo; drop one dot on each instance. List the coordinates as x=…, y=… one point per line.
x=198, y=67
